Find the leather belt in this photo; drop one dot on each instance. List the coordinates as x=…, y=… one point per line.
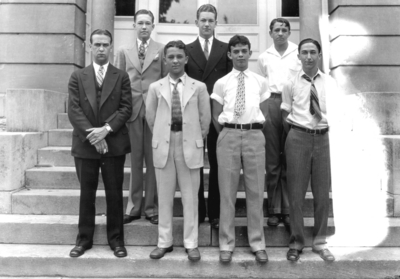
x=310, y=131
x=250, y=126
x=176, y=127
x=276, y=95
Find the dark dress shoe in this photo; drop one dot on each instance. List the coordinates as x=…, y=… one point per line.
x=286, y=219
x=77, y=251
x=193, y=254
x=325, y=254
x=129, y=218
x=215, y=223
x=261, y=256
x=273, y=221
x=293, y=255
x=225, y=256
x=158, y=253
x=120, y=252
x=153, y=219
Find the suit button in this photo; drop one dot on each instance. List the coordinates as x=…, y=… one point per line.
x=166, y=141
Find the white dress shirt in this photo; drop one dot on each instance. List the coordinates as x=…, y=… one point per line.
x=179, y=87
x=225, y=90
x=97, y=68
x=203, y=43
x=296, y=99
x=278, y=69
x=146, y=44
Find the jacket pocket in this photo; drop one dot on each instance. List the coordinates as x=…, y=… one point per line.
x=199, y=143
x=154, y=144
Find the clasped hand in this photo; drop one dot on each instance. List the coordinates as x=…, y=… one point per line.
x=96, y=138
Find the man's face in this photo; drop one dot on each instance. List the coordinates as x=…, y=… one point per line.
x=240, y=55
x=143, y=26
x=175, y=60
x=309, y=57
x=280, y=33
x=100, y=48
x=206, y=24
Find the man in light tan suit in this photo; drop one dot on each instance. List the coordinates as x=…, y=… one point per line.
x=178, y=113
x=143, y=62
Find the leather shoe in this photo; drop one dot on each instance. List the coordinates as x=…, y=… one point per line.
x=120, y=252
x=215, y=223
x=286, y=220
x=261, y=256
x=158, y=253
x=153, y=219
x=129, y=218
x=273, y=221
x=325, y=254
x=77, y=251
x=193, y=254
x=225, y=256
x=293, y=255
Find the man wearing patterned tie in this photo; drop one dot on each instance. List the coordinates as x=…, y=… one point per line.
x=237, y=113
x=99, y=105
x=304, y=113
x=178, y=113
x=143, y=62
x=207, y=63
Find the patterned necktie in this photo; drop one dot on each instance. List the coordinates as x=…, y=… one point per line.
x=206, y=53
x=240, y=97
x=142, y=53
x=99, y=76
x=315, y=109
x=176, y=105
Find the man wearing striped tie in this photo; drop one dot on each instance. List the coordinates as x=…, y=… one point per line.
x=304, y=113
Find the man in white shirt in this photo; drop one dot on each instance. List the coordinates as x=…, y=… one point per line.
x=236, y=112
x=304, y=112
x=277, y=64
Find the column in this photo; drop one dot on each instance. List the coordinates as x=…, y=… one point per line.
x=103, y=13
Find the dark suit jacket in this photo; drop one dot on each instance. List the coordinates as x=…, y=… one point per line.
x=218, y=63
x=115, y=108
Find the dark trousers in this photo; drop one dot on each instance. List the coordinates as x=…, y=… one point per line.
x=112, y=172
x=308, y=157
x=275, y=164
x=213, y=202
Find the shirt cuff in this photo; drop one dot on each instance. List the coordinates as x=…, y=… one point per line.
x=265, y=96
x=217, y=98
x=108, y=129
x=286, y=107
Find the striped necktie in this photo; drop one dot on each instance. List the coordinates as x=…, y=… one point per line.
x=176, y=113
x=315, y=109
x=142, y=53
x=206, y=52
x=240, y=101
x=99, y=76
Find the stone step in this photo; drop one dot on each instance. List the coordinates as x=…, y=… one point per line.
x=66, y=202
x=99, y=262
x=61, y=156
x=60, y=137
x=63, y=121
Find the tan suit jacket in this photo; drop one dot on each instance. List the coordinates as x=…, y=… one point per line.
x=196, y=117
x=127, y=59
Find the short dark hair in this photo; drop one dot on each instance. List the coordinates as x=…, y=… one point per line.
x=309, y=40
x=238, y=39
x=207, y=8
x=178, y=44
x=280, y=20
x=101, y=32
x=143, y=12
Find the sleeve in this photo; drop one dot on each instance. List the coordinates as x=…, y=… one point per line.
x=218, y=92
x=151, y=106
x=204, y=110
x=261, y=66
x=287, y=96
x=264, y=94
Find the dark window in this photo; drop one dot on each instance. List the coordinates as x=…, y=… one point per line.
x=290, y=8
x=124, y=7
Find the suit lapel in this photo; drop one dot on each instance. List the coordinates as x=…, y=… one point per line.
x=198, y=55
x=133, y=55
x=89, y=86
x=188, y=91
x=165, y=90
x=109, y=83
x=217, y=51
x=151, y=53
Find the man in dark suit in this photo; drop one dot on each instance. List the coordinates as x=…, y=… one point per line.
x=99, y=105
x=208, y=62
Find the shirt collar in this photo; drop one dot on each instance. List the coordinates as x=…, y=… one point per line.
x=97, y=67
x=291, y=47
x=146, y=42
x=236, y=72
x=202, y=40
x=319, y=73
x=182, y=78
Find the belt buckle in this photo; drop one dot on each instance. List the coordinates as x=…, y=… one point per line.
x=241, y=127
x=314, y=132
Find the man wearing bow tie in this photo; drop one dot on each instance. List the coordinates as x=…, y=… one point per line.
x=143, y=62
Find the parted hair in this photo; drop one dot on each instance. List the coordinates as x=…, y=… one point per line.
x=101, y=32
x=310, y=40
x=280, y=20
x=207, y=8
x=238, y=39
x=143, y=12
x=178, y=44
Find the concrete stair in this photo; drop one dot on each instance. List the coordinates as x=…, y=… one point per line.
x=36, y=238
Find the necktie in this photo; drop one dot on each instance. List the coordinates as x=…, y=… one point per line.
x=176, y=114
x=142, y=53
x=315, y=109
x=206, y=53
x=240, y=97
x=99, y=76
